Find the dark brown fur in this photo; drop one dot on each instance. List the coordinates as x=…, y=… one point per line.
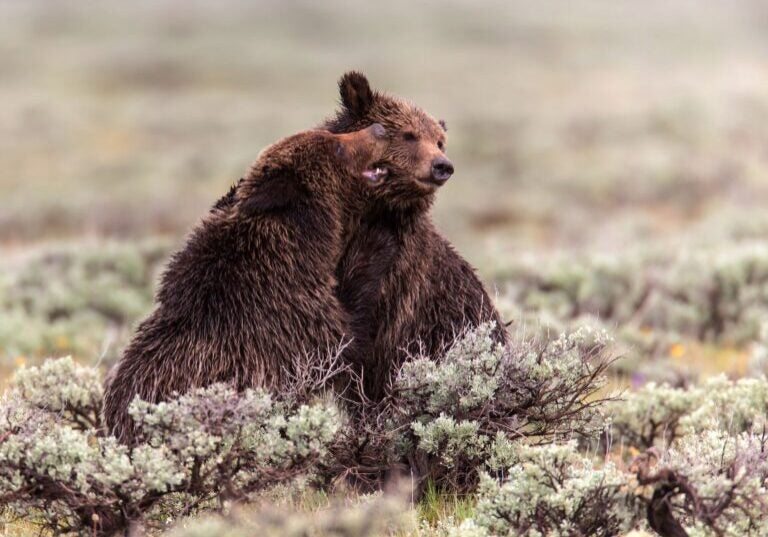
x=404, y=286
x=254, y=287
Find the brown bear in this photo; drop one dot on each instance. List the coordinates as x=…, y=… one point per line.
x=403, y=285
x=254, y=287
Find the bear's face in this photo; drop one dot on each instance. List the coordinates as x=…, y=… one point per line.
x=312, y=164
x=359, y=151
x=414, y=165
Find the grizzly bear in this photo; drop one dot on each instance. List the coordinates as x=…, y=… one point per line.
x=404, y=287
x=254, y=287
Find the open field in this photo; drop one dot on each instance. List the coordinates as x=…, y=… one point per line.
x=648, y=119
x=612, y=172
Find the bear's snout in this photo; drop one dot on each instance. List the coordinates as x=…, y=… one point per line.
x=442, y=169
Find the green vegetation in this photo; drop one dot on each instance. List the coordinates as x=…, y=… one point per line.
x=209, y=447
x=528, y=451
x=81, y=299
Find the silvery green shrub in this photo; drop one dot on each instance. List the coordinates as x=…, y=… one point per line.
x=205, y=448
x=69, y=392
x=709, y=483
x=444, y=420
x=553, y=490
x=706, y=484
x=711, y=294
x=506, y=413
x=651, y=415
x=659, y=414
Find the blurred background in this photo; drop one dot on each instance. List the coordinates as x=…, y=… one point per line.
x=580, y=128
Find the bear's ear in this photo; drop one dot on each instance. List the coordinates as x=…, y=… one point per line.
x=276, y=191
x=356, y=94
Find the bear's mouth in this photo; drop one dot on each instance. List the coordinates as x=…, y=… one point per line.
x=432, y=181
x=376, y=174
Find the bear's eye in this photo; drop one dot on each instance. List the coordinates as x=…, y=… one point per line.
x=409, y=137
x=440, y=145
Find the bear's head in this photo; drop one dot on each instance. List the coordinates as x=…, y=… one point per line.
x=359, y=150
x=414, y=165
x=310, y=165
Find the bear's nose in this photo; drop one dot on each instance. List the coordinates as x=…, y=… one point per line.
x=442, y=169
